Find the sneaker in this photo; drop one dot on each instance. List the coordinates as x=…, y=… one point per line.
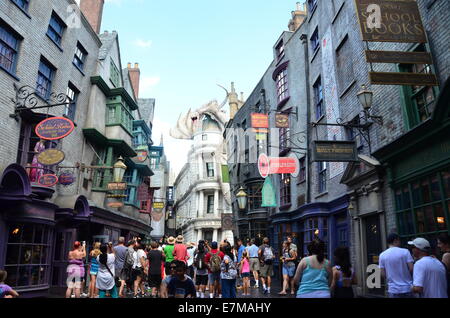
x=265, y=290
x=72, y=296
x=83, y=295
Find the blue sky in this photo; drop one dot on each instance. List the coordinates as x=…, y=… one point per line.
x=184, y=48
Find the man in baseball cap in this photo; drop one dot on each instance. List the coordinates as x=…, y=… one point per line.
x=429, y=277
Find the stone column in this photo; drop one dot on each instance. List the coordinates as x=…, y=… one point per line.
x=200, y=166
x=216, y=204
x=215, y=234
x=201, y=200
x=199, y=235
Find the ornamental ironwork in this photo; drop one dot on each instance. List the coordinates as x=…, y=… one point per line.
x=29, y=98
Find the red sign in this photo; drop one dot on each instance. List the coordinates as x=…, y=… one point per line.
x=283, y=165
x=115, y=205
x=143, y=193
x=66, y=178
x=48, y=180
x=142, y=155
x=54, y=128
x=260, y=120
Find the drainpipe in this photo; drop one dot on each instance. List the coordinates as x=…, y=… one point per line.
x=304, y=39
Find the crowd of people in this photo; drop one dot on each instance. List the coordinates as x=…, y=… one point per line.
x=173, y=269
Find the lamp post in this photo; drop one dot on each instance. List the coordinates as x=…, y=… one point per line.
x=242, y=198
x=365, y=97
x=119, y=169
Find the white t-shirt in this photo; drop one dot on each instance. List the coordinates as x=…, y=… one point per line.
x=105, y=281
x=191, y=252
x=395, y=262
x=430, y=274
x=137, y=258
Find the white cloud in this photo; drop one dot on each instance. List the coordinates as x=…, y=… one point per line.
x=143, y=43
x=146, y=84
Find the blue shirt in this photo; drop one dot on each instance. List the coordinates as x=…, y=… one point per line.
x=314, y=279
x=252, y=251
x=240, y=251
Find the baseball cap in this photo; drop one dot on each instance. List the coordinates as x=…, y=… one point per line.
x=420, y=243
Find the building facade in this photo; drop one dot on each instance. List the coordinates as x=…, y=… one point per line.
x=51, y=54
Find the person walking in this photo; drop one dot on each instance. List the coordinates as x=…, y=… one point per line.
x=288, y=261
x=180, y=250
x=190, y=261
x=201, y=269
x=155, y=259
x=252, y=250
x=240, y=248
x=266, y=255
x=139, y=269
x=444, y=246
x=315, y=273
x=213, y=260
x=120, y=252
x=75, y=269
x=244, y=266
x=5, y=290
x=105, y=281
x=93, y=292
x=429, y=274
x=168, y=251
x=228, y=273
x=396, y=265
x=343, y=275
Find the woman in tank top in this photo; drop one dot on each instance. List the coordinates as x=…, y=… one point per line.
x=343, y=275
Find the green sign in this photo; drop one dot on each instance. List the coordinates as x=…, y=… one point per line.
x=269, y=199
x=225, y=174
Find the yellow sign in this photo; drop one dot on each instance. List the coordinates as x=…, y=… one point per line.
x=51, y=157
x=115, y=205
x=158, y=205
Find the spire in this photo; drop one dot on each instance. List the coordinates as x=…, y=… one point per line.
x=161, y=144
x=233, y=101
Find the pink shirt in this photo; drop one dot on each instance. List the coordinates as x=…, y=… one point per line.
x=180, y=253
x=245, y=266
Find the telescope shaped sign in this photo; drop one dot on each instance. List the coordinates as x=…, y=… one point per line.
x=273, y=165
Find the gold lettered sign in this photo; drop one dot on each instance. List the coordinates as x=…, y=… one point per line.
x=51, y=157
x=115, y=205
x=282, y=120
x=158, y=205
x=334, y=151
x=114, y=186
x=390, y=21
x=388, y=78
x=398, y=57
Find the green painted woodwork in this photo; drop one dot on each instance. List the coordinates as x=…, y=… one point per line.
x=114, y=74
x=114, y=92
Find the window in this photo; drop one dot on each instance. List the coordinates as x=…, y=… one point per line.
x=23, y=4
x=72, y=96
x=80, y=56
x=315, y=40
x=344, y=65
x=9, y=45
x=204, y=137
x=302, y=173
x=46, y=73
x=280, y=50
x=282, y=86
x=353, y=135
x=312, y=4
x=322, y=172
x=284, y=138
x=285, y=189
x=423, y=205
x=114, y=75
x=318, y=98
x=315, y=227
x=120, y=114
x=210, y=169
x=28, y=255
x=56, y=29
x=254, y=196
x=420, y=100
x=210, y=205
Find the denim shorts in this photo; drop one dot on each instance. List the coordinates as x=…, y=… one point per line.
x=213, y=277
x=289, y=270
x=243, y=275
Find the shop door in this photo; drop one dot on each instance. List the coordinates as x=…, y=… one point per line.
x=64, y=240
x=373, y=246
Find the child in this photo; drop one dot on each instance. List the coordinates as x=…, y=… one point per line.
x=245, y=273
x=5, y=290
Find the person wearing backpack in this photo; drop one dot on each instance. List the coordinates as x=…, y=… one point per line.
x=201, y=268
x=266, y=255
x=213, y=260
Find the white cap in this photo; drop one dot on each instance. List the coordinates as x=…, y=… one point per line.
x=420, y=243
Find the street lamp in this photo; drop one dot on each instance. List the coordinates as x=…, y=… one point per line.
x=365, y=97
x=242, y=198
x=119, y=169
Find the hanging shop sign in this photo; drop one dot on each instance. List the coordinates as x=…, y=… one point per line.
x=261, y=137
x=282, y=120
x=227, y=222
x=51, y=157
x=115, y=205
x=281, y=165
x=392, y=78
x=335, y=151
x=398, y=57
x=48, y=180
x=116, y=196
x=115, y=186
x=260, y=120
x=54, y=128
x=66, y=178
x=269, y=199
x=143, y=193
x=390, y=21
x=142, y=155
x=158, y=205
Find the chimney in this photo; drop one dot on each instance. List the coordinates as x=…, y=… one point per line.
x=298, y=16
x=135, y=76
x=233, y=101
x=93, y=11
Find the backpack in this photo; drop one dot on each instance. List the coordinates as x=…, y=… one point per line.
x=199, y=261
x=214, y=262
x=268, y=255
x=129, y=259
